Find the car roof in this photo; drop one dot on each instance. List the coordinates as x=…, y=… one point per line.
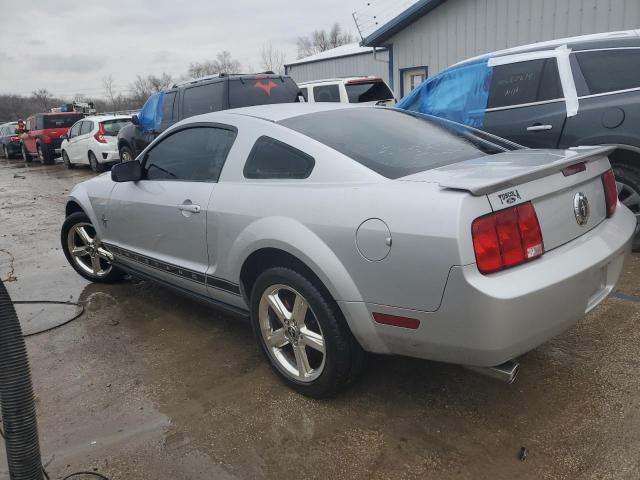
x=341, y=79
x=623, y=38
x=102, y=118
x=281, y=111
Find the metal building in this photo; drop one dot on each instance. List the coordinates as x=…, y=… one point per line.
x=434, y=34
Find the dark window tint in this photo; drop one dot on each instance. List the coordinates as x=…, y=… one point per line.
x=610, y=70
x=167, y=107
x=195, y=154
x=75, y=130
x=392, y=142
x=271, y=158
x=86, y=127
x=203, y=99
x=305, y=93
x=368, y=92
x=112, y=127
x=326, y=93
x=261, y=91
x=59, y=121
x=524, y=82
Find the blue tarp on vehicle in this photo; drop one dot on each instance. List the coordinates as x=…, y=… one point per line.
x=459, y=94
x=150, y=116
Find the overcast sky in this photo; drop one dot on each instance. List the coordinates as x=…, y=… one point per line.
x=68, y=46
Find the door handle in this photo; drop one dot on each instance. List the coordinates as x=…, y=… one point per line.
x=189, y=207
x=537, y=127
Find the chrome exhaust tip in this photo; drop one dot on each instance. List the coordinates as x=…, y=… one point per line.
x=505, y=372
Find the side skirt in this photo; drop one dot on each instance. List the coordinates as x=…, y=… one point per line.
x=224, y=307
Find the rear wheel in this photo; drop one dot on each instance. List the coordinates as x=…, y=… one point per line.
x=25, y=156
x=65, y=159
x=302, y=333
x=628, y=183
x=44, y=156
x=95, y=165
x=85, y=252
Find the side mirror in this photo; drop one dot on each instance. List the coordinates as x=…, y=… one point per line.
x=127, y=172
x=135, y=120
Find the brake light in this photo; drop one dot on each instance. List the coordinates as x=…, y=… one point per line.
x=99, y=136
x=46, y=138
x=14, y=139
x=573, y=169
x=507, y=238
x=610, y=191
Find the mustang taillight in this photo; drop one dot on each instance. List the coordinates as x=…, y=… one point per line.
x=610, y=191
x=507, y=238
x=99, y=136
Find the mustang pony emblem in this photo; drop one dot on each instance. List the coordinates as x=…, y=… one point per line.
x=267, y=87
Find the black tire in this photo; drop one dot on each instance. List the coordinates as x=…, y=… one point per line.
x=629, y=176
x=95, y=165
x=126, y=155
x=113, y=275
x=25, y=156
x=344, y=357
x=67, y=162
x=44, y=155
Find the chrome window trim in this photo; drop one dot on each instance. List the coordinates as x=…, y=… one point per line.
x=613, y=92
x=520, y=105
x=576, y=52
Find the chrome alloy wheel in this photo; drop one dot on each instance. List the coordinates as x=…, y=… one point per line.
x=629, y=198
x=87, y=251
x=292, y=333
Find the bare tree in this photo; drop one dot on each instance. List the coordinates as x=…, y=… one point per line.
x=143, y=87
x=272, y=59
x=223, y=63
x=43, y=98
x=322, y=40
x=107, y=84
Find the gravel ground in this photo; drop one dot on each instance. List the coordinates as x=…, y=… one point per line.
x=147, y=385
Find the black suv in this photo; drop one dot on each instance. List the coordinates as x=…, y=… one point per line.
x=561, y=94
x=204, y=95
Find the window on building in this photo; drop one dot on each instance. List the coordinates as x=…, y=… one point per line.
x=610, y=70
x=524, y=82
x=326, y=93
x=194, y=154
x=271, y=158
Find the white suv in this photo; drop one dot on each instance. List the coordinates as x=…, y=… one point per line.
x=348, y=90
x=93, y=141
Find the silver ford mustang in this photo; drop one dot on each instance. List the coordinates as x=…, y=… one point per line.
x=341, y=230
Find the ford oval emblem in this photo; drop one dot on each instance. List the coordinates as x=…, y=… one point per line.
x=581, y=208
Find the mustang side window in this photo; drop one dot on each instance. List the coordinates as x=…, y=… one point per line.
x=524, y=82
x=193, y=154
x=271, y=158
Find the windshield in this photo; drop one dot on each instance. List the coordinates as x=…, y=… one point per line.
x=60, y=121
x=368, y=92
x=112, y=127
x=395, y=143
x=262, y=91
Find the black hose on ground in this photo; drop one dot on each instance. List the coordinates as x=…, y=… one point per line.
x=16, y=397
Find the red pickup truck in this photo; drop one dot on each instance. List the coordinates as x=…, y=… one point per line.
x=42, y=135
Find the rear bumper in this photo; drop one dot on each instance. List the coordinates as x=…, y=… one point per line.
x=108, y=156
x=486, y=320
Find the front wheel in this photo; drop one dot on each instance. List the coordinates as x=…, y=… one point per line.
x=628, y=183
x=44, y=156
x=85, y=252
x=65, y=159
x=302, y=333
x=126, y=155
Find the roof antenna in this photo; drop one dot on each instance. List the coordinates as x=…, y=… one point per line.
x=355, y=20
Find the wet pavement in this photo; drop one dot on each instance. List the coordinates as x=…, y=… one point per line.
x=148, y=385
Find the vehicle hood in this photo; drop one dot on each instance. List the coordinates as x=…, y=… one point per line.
x=490, y=173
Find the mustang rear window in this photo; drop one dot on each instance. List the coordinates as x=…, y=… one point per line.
x=394, y=143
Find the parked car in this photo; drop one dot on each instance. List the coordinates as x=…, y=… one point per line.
x=194, y=97
x=43, y=135
x=93, y=141
x=295, y=216
x=9, y=140
x=568, y=92
x=348, y=90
